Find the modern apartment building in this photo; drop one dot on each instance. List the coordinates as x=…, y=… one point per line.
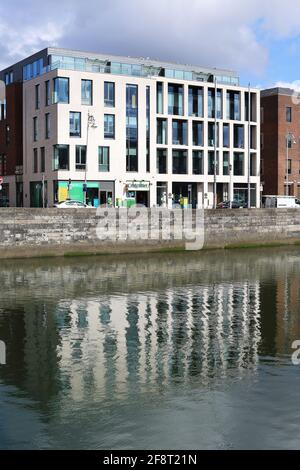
x=280, y=142
x=118, y=130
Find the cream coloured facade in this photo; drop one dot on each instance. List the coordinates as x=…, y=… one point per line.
x=179, y=165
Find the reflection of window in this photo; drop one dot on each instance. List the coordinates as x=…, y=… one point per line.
x=103, y=159
x=87, y=92
x=211, y=134
x=162, y=161
x=175, y=99
x=162, y=131
x=61, y=90
x=238, y=163
x=198, y=133
x=60, y=157
x=179, y=162
x=109, y=126
x=80, y=157
x=238, y=136
x=225, y=163
x=195, y=101
x=198, y=163
x=211, y=103
x=109, y=94
x=75, y=124
x=226, y=135
x=180, y=135
x=233, y=101
x=211, y=163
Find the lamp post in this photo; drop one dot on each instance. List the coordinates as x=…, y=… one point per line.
x=91, y=123
x=230, y=187
x=290, y=140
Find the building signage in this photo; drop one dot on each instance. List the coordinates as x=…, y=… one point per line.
x=138, y=185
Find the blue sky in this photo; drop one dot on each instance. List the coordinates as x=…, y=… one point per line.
x=260, y=39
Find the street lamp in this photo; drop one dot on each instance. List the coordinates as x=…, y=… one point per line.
x=290, y=140
x=91, y=123
x=230, y=187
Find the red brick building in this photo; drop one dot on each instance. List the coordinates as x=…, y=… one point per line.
x=280, y=117
x=11, y=145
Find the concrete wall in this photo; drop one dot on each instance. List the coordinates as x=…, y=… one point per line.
x=52, y=232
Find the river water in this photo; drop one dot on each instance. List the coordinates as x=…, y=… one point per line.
x=173, y=351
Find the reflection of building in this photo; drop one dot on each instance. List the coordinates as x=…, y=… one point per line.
x=164, y=131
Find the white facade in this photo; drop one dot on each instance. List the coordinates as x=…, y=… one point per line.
x=200, y=187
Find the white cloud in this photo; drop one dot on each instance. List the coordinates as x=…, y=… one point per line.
x=221, y=33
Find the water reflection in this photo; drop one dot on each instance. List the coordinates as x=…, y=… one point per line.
x=133, y=330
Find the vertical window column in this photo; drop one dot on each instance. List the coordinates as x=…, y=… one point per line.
x=132, y=128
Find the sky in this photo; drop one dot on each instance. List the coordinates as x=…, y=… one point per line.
x=260, y=39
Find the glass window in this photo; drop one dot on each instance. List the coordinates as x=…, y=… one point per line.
x=61, y=90
x=35, y=129
x=37, y=96
x=226, y=135
x=195, y=101
x=47, y=126
x=238, y=163
x=132, y=128
x=289, y=167
x=253, y=166
x=109, y=126
x=42, y=159
x=180, y=162
x=238, y=136
x=159, y=98
x=87, y=92
x=60, y=157
x=75, y=124
x=80, y=157
x=162, y=163
x=103, y=159
x=35, y=160
x=211, y=162
x=47, y=93
x=109, y=94
x=288, y=114
x=211, y=134
x=180, y=132
x=225, y=163
x=198, y=133
x=175, y=99
x=198, y=162
x=233, y=103
x=162, y=131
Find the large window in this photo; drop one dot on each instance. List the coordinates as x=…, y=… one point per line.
x=103, y=159
x=109, y=126
x=109, y=94
x=80, y=157
x=211, y=103
x=195, y=101
x=75, y=124
x=47, y=126
x=211, y=163
x=225, y=163
x=233, y=102
x=198, y=162
x=198, y=133
x=61, y=93
x=60, y=157
x=180, y=132
x=175, y=99
x=226, y=135
x=180, y=162
x=162, y=163
x=211, y=134
x=238, y=163
x=131, y=128
x=159, y=98
x=238, y=136
x=87, y=92
x=162, y=132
